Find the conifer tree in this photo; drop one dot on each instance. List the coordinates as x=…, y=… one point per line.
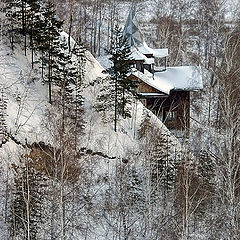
x=34, y=21
x=80, y=67
x=19, y=9
x=13, y=16
x=23, y=18
x=49, y=34
x=63, y=77
x=121, y=89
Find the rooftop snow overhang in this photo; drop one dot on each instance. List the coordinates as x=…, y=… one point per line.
x=145, y=50
x=138, y=56
x=152, y=94
x=149, y=79
x=160, y=53
x=149, y=61
x=184, y=78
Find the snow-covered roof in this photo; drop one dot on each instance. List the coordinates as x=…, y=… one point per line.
x=152, y=94
x=162, y=52
x=149, y=60
x=145, y=49
x=138, y=56
x=106, y=63
x=174, y=78
x=136, y=39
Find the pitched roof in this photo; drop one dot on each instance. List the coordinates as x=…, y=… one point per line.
x=187, y=78
x=132, y=31
x=136, y=40
x=173, y=78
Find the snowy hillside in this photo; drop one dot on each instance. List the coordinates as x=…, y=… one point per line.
x=26, y=117
x=81, y=158
x=27, y=101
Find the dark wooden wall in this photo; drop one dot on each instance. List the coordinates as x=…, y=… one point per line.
x=172, y=109
x=143, y=87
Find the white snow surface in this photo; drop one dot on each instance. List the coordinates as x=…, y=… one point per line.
x=64, y=37
x=104, y=61
x=145, y=49
x=26, y=100
x=174, y=78
x=27, y=107
x=28, y=103
x=136, y=55
x=161, y=52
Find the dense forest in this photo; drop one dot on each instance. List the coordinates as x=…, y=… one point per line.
x=81, y=158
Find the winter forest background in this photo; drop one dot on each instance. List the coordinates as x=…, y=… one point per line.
x=66, y=174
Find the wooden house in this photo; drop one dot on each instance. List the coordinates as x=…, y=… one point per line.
x=164, y=90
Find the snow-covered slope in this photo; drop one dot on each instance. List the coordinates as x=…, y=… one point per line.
x=27, y=103
x=26, y=117
x=26, y=98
